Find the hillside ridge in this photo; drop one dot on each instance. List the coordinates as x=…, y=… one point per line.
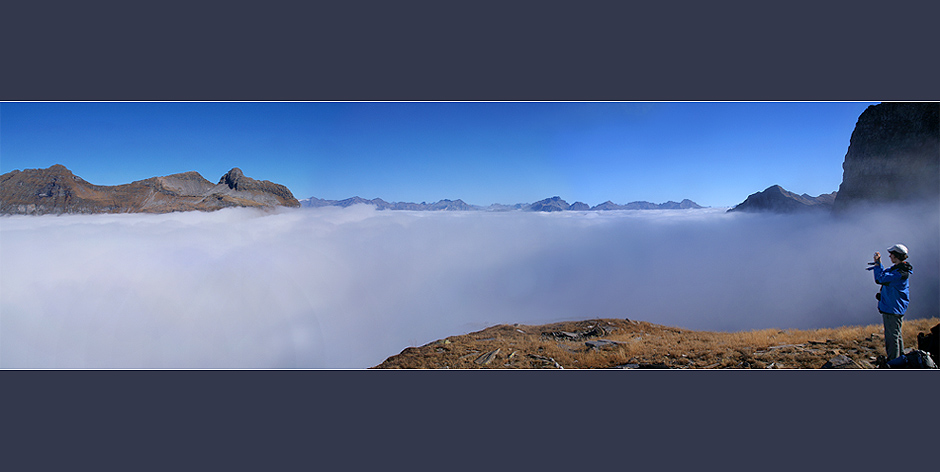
x=56, y=190
x=630, y=344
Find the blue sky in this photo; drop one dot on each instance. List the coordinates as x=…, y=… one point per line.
x=714, y=153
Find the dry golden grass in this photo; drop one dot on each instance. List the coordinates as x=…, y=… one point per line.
x=638, y=344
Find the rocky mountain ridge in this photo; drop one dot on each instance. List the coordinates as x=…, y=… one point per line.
x=779, y=200
x=57, y=190
x=442, y=205
x=547, y=205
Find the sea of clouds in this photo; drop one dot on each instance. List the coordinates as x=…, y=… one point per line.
x=348, y=287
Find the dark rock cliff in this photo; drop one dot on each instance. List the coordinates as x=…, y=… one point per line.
x=893, y=156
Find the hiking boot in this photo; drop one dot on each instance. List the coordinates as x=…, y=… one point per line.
x=881, y=362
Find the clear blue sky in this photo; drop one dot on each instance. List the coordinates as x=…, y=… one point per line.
x=715, y=154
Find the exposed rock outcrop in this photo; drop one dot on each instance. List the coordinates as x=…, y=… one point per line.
x=57, y=190
x=776, y=199
x=893, y=156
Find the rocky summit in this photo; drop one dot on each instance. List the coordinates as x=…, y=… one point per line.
x=776, y=199
x=57, y=190
x=893, y=156
x=550, y=204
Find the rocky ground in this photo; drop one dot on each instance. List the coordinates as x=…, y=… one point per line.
x=629, y=344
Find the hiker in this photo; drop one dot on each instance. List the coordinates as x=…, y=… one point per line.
x=893, y=297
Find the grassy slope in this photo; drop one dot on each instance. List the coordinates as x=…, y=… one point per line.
x=646, y=345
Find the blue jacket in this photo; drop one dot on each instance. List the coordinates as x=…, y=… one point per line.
x=894, y=287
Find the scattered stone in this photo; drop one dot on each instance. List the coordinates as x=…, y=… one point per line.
x=546, y=359
x=841, y=362
x=470, y=354
x=487, y=358
x=592, y=332
x=783, y=346
x=601, y=344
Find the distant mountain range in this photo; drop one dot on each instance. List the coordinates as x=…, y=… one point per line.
x=893, y=156
x=547, y=205
x=443, y=205
x=57, y=190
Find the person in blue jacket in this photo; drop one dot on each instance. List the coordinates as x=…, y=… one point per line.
x=893, y=297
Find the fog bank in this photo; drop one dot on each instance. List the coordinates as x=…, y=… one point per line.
x=346, y=288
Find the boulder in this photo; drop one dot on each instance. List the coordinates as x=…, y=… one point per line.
x=487, y=358
x=841, y=362
x=601, y=344
x=930, y=343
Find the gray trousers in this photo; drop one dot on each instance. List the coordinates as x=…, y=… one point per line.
x=894, y=345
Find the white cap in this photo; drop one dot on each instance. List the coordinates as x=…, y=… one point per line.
x=898, y=248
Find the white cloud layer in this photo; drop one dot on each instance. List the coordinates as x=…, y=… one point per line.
x=346, y=288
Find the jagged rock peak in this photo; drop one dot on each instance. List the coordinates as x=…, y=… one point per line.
x=550, y=204
x=232, y=178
